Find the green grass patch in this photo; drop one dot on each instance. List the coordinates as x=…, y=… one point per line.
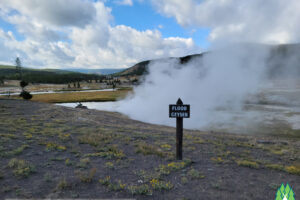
x=161, y=185
x=293, y=169
x=147, y=149
x=248, y=163
x=14, y=152
x=173, y=166
x=21, y=168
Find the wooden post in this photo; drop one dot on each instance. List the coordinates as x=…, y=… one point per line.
x=179, y=111
x=179, y=134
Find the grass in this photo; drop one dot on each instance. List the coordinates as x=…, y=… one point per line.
x=274, y=166
x=96, y=139
x=21, y=168
x=293, y=169
x=62, y=184
x=16, y=151
x=195, y=174
x=86, y=177
x=98, y=96
x=248, y=163
x=111, y=154
x=161, y=185
x=147, y=149
x=172, y=167
x=118, y=186
x=217, y=160
x=140, y=189
x=84, y=162
x=63, y=147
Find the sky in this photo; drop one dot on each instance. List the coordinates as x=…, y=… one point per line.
x=120, y=33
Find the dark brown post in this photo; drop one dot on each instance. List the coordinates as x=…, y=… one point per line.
x=179, y=134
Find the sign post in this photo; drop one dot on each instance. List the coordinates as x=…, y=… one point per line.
x=179, y=111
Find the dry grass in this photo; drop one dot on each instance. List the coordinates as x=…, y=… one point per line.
x=80, y=96
x=248, y=163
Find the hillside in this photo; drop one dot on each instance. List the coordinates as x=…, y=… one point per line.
x=105, y=71
x=278, y=61
x=48, y=151
x=141, y=67
x=45, y=75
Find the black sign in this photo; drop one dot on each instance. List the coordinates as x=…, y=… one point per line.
x=182, y=111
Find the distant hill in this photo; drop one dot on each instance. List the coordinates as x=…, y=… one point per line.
x=142, y=67
x=96, y=71
x=45, y=75
x=278, y=63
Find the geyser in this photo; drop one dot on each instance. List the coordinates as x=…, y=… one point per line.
x=219, y=80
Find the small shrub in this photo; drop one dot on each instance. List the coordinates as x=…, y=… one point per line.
x=166, y=146
x=68, y=162
x=217, y=160
x=161, y=185
x=274, y=166
x=198, y=140
x=173, y=166
x=16, y=151
x=195, y=174
x=87, y=177
x=62, y=184
x=247, y=163
x=21, y=168
x=27, y=136
x=184, y=180
x=96, y=139
x=8, y=135
x=109, y=165
x=147, y=149
x=105, y=181
x=53, y=146
x=293, y=169
x=109, y=153
x=84, y=162
x=140, y=189
x=25, y=95
x=64, y=137
x=47, y=177
x=117, y=186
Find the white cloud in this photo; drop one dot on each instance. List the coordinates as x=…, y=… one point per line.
x=124, y=2
x=53, y=39
x=54, y=12
x=275, y=21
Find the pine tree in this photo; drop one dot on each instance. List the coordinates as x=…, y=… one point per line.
x=19, y=67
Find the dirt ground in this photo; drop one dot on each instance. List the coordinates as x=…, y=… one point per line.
x=48, y=151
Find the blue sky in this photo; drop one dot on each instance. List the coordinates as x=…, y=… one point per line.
x=143, y=16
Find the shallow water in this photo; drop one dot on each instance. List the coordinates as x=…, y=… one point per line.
x=265, y=117
x=273, y=109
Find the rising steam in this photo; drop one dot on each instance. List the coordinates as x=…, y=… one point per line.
x=219, y=80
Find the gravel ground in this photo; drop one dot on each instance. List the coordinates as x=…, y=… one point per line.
x=49, y=151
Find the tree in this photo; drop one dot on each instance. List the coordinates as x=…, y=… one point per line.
x=26, y=95
x=23, y=84
x=19, y=67
x=1, y=81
